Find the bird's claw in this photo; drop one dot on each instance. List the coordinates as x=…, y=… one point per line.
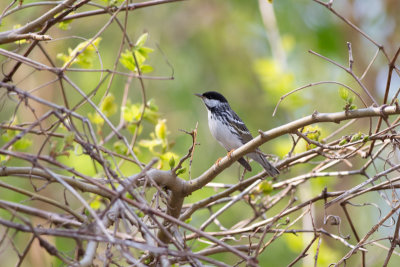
x=229, y=153
x=218, y=161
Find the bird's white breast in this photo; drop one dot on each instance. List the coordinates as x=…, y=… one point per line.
x=222, y=133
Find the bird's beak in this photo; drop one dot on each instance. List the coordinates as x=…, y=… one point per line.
x=199, y=95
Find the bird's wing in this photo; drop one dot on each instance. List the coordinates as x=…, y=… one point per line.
x=241, y=128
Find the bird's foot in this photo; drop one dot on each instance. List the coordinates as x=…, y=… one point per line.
x=229, y=153
x=218, y=161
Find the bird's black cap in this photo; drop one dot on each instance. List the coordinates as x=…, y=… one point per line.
x=214, y=95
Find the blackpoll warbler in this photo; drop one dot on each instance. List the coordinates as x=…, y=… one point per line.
x=230, y=131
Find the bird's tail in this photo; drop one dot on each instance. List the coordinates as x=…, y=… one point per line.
x=245, y=164
x=269, y=168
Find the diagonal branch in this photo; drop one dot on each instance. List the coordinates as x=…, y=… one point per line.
x=290, y=127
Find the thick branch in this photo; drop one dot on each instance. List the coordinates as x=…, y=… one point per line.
x=14, y=35
x=316, y=117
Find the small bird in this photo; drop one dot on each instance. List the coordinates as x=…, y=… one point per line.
x=230, y=131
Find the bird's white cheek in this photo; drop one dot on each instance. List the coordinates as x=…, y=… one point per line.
x=210, y=103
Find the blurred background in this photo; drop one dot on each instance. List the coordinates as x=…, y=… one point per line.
x=253, y=52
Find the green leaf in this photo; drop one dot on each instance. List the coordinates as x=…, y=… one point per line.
x=146, y=68
x=166, y=159
x=131, y=113
x=3, y=158
x=356, y=137
x=95, y=204
x=145, y=51
x=161, y=129
x=348, y=97
x=150, y=144
x=265, y=187
x=127, y=60
x=83, y=54
x=142, y=40
x=108, y=106
x=141, y=53
x=151, y=116
x=65, y=24
x=343, y=93
x=151, y=104
x=351, y=98
x=139, y=57
x=127, y=114
x=181, y=171
x=22, y=144
x=8, y=135
x=313, y=133
x=96, y=118
x=140, y=214
x=172, y=162
x=342, y=142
